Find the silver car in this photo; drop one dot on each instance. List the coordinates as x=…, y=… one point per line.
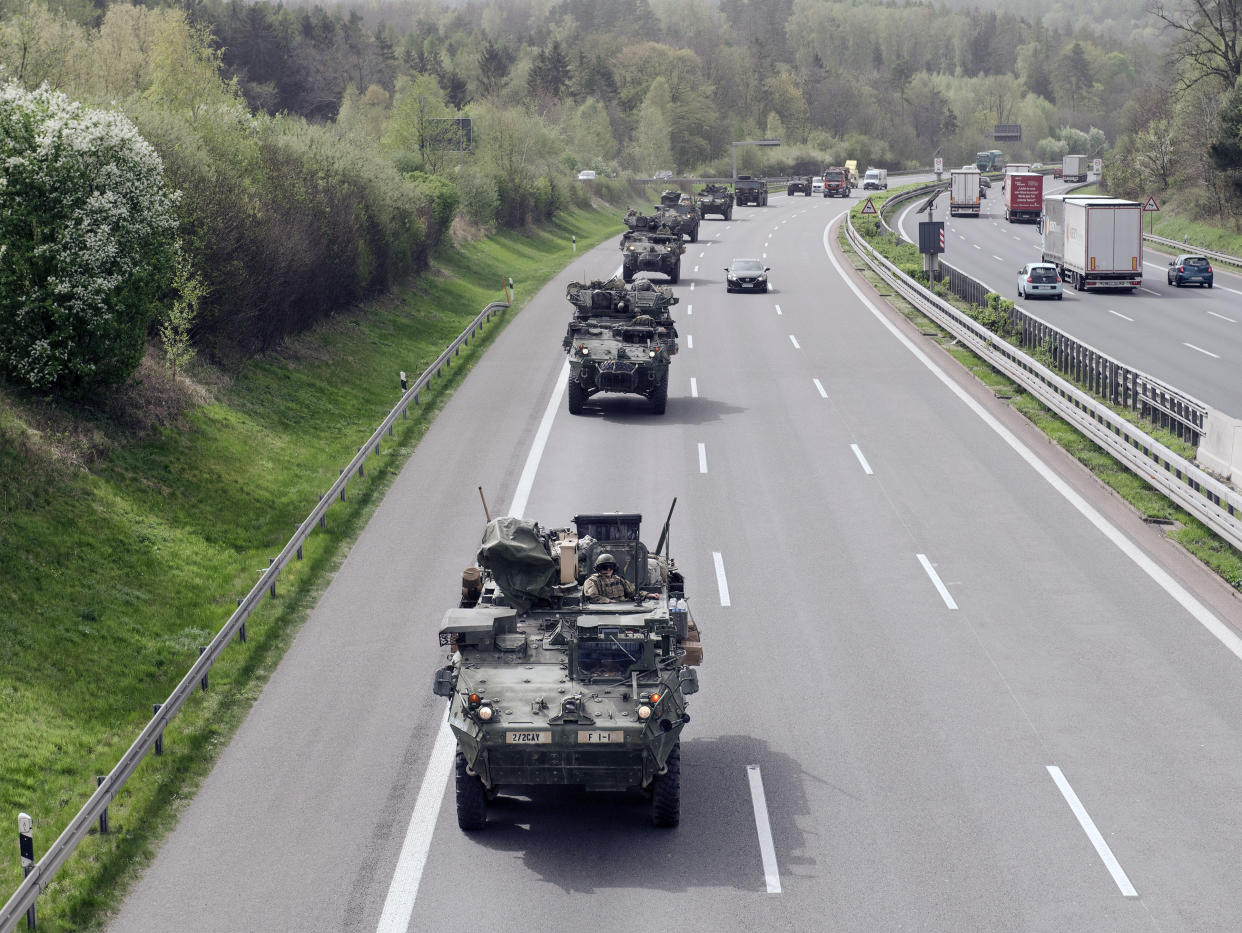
x=1039, y=280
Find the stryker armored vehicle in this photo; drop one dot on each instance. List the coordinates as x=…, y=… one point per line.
x=656, y=250
x=675, y=213
x=716, y=199
x=621, y=339
x=549, y=688
x=799, y=185
x=747, y=190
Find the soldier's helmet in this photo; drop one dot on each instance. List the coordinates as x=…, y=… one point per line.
x=605, y=560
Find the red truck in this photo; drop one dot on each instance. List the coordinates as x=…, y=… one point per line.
x=836, y=182
x=1024, y=197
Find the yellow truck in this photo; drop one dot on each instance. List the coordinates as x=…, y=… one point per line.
x=851, y=168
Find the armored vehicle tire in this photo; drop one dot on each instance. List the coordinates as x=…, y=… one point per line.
x=627, y=274
x=728, y=215
x=471, y=797
x=577, y=397
x=659, y=398
x=694, y=234
x=675, y=275
x=666, y=791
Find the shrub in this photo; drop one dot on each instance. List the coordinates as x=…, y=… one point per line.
x=87, y=242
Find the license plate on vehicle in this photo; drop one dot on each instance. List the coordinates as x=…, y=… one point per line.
x=528, y=738
x=597, y=738
x=748, y=285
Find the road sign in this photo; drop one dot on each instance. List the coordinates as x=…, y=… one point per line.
x=939, y=165
x=1151, y=204
x=1097, y=165
x=868, y=208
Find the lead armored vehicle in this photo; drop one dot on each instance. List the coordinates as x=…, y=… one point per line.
x=548, y=688
x=652, y=250
x=621, y=339
x=716, y=199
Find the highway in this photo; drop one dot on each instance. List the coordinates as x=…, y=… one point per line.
x=1189, y=337
x=964, y=687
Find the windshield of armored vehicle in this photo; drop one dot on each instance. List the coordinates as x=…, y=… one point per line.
x=609, y=652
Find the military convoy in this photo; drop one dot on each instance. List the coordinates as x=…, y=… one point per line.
x=800, y=184
x=716, y=199
x=676, y=213
x=621, y=339
x=548, y=688
x=652, y=251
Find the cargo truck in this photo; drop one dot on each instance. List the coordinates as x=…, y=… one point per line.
x=836, y=182
x=851, y=172
x=1094, y=241
x=747, y=190
x=1074, y=168
x=1024, y=197
x=963, y=193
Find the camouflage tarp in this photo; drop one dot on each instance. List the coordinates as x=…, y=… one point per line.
x=518, y=559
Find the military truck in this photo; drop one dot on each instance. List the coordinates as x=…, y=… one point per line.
x=621, y=339
x=652, y=251
x=549, y=689
x=799, y=185
x=747, y=190
x=716, y=199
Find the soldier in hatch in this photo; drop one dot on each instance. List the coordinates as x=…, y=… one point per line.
x=606, y=586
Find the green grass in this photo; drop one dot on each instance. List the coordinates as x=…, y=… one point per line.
x=1173, y=222
x=123, y=567
x=1183, y=528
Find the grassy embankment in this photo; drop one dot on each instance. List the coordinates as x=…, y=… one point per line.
x=1179, y=525
x=121, y=552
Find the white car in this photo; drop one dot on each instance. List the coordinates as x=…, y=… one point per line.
x=586, y=175
x=817, y=184
x=1039, y=280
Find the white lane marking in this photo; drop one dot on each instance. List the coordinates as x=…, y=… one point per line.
x=702, y=458
x=794, y=341
x=1120, y=315
x=701, y=255
x=1222, y=317
x=767, y=848
x=976, y=246
x=1201, y=350
x=694, y=387
x=1199, y=612
x=819, y=385
x=1148, y=290
x=691, y=286
x=961, y=236
x=689, y=342
x=935, y=578
x=862, y=460
x=690, y=308
x=403, y=889
x=1088, y=826
x=778, y=309
x=696, y=268
x=1228, y=289
x=765, y=256
x=997, y=258
x=721, y=583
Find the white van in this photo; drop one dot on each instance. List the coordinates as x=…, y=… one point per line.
x=875, y=179
x=586, y=175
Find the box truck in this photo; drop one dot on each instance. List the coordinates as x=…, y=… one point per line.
x=1094, y=241
x=1074, y=168
x=963, y=193
x=1024, y=197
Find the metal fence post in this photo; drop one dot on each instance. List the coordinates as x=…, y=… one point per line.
x=103, y=816
x=203, y=683
x=159, y=739
x=25, y=845
x=241, y=632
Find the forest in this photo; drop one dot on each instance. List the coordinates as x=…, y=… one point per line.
x=320, y=155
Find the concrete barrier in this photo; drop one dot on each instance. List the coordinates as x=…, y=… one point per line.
x=1220, y=447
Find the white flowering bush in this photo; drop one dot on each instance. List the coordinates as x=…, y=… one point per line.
x=88, y=241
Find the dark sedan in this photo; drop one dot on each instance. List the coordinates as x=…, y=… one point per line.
x=1189, y=269
x=747, y=275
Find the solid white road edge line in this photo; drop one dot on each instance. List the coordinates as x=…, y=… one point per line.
x=767, y=848
x=702, y=458
x=403, y=889
x=1088, y=827
x=935, y=578
x=1204, y=616
x=721, y=583
x=861, y=459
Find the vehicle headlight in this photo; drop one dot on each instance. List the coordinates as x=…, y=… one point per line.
x=485, y=713
x=651, y=353
x=644, y=712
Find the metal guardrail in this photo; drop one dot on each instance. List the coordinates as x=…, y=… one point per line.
x=1214, y=503
x=96, y=807
x=1121, y=384
x=1198, y=250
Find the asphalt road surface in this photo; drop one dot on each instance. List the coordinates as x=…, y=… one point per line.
x=1189, y=337
x=960, y=686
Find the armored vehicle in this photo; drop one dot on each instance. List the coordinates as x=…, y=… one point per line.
x=716, y=199
x=799, y=185
x=621, y=339
x=747, y=190
x=675, y=213
x=548, y=687
x=652, y=251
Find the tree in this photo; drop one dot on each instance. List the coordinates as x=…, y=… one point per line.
x=494, y=64
x=653, y=149
x=549, y=75
x=1226, y=149
x=88, y=242
x=1076, y=74
x=1208, y=39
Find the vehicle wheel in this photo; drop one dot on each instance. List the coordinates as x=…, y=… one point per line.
x=728, y=215
x=666, y=791
x=675, y=275
x=659, y=398
x=694, y=234
x=471, y=798
x=627, y=274
x=577, y=397
x=1059, y=297
x=1210, y=284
